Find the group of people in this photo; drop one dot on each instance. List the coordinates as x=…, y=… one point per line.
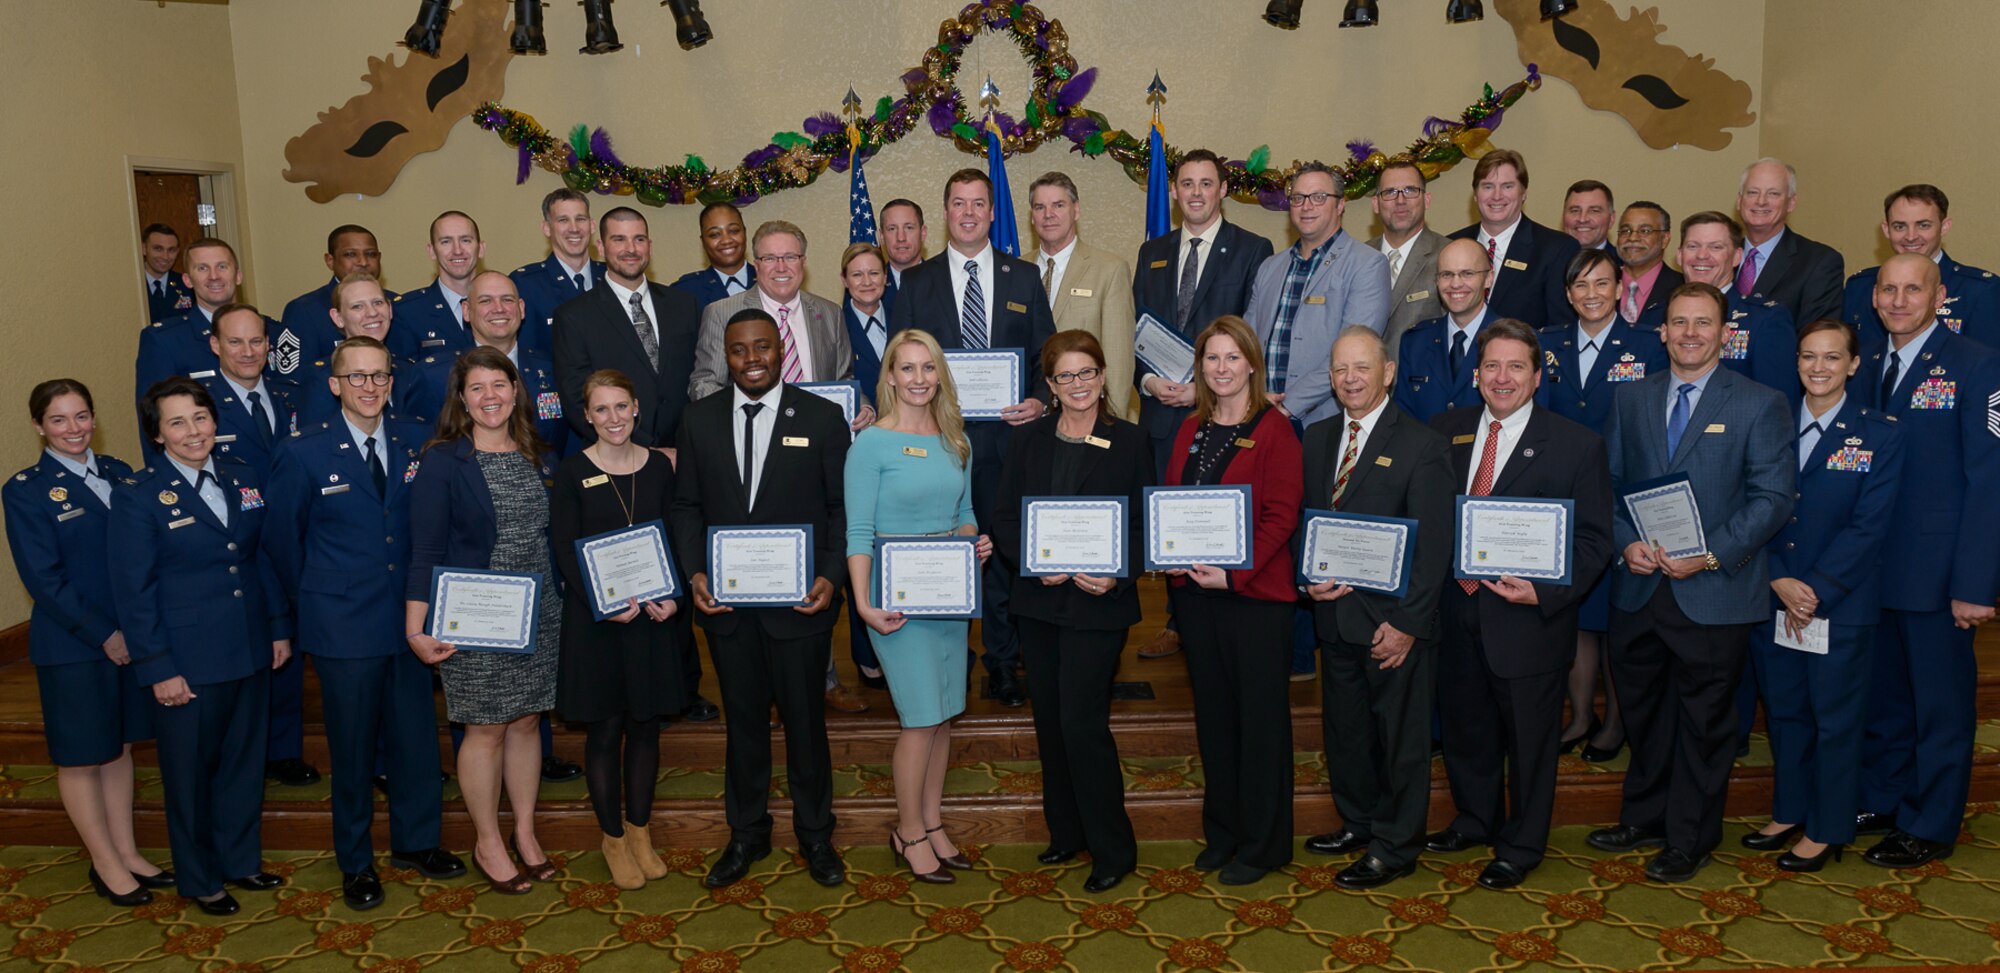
x=483, y=421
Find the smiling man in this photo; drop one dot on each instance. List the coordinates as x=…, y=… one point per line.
x=1089, y=289
x=1527, y=259
x=1587, y=213
x=566, y=273
x=180, y=346
x=432, y=319
x=1644, y=281
x=1759, y=339
x=1915, y=220
x=167, y=292
x=1781, y=264
x=1437, y=362
x=350, y=249
x=494, y=312
x=1401, y=201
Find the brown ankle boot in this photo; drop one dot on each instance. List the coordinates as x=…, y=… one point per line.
x=639, y=844
x=625, y=872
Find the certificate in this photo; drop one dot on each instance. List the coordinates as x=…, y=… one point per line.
x=1198, y=525
x=847, y=395
x=621, y=565
x=1665, y=514
x=930, y=577
x=767, y=565
x=988, y=379
x=1528, y=538
x=489, y=610
x=1163, y=350
x=1812, y=638
x=1358, y=550
x=1073, y=535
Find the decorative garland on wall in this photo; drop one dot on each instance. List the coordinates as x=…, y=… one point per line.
x=587, y=162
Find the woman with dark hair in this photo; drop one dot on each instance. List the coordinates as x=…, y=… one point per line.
x=480, y=501
x=205, y=622
x=622, y=675
x=1583, y=364
x=1825, y=568
x=93, y=708
x=1073, y=626
x=1236, y=625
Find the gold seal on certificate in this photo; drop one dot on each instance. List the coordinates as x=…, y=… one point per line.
x=766, y=565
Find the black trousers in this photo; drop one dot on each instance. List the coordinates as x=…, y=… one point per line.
x=1676, y=683
x=755, y=671
x=211, y=752
x=997, y=636
x=1501, y=738
x=1083, y=786
x=380, y=705
x=1238, y=657
x=1378, y=744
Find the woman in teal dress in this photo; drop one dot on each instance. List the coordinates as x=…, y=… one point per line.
x=909, y=474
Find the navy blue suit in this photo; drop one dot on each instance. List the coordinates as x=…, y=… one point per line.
x=311, y=327
x=341, y=549
x=430, y=387
x=197, y=600
x=178, y=346
x=1530, y=286
x=426, y=323
x=867, y=364
x=451, y=515
x=1424, y=386
x=178, y=300
x=1971, y=302
x=1224, y=288
x=1814, y=704
x=706, y=286
x=544, y=286
x=1943, y=546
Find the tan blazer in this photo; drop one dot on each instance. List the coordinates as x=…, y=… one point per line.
x=1096, y=296
x=1413, y=297
x=832, y=356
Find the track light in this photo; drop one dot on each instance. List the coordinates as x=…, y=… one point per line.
x=422, y=37
x=600, y=35
x=527, y=37
x=1463, y=11
x=690, y=28
x=1283, y=13
x=1359, y=13
x=1556, y=8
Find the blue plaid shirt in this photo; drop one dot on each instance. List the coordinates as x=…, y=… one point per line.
x=1278, y=348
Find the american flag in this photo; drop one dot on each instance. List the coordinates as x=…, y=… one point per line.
x=861, y=222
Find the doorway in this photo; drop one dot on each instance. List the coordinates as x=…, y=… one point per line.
x=173, y=199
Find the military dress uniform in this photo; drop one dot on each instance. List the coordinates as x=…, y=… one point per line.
x=431, y=388
x=544, y=285
x=179, y=346
x=1425, y=386
x=172, y=299
x=1971, y=302
x=427, y=323
x=307, y=321
x=709, y=285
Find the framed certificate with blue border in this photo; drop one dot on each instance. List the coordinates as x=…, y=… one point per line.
x=928, y=577
x=1532, y=539
x=1665, y=514
x=1358, y=550
x=847, y=395
x=988, y=379
x=621, y=565
x=488, y=611
x=1163, y=349
x=1073, y=535
x=769, y=564
x=1198, y=525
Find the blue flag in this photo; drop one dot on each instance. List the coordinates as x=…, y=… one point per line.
x=1159, y=207
x=861, y=222
x=1005, y=237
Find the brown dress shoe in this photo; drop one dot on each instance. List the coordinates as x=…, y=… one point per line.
x=841, y=699
x=1164, y=644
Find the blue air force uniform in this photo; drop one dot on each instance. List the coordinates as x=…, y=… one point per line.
x=340, y=547
x=426, y=323
x=431, y=386
x=173, y=299
x=1425, y=387
x=197, y=600
x=57, y=526
x=544, y=286
x=307, y=327
x=709, y=285
x=1971, y=302
x=179, y=346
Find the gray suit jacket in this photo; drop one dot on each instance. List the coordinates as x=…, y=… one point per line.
x=832, y=355
x=1740, y=455
x=1351, y=287
x=1413, y=297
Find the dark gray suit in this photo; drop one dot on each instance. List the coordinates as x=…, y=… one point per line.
x=1413, y=294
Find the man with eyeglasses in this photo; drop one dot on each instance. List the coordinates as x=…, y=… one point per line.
x=1645, y=280
x=1438, y=360
x=1527, y=260
x=1803, y=276
x=1915, y=220
x=1401, y=200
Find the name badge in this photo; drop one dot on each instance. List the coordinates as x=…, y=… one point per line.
x=1417, y=296
x=1079, y=292
x=343, y=488
x=71, y=515
x=1716, y=427
x=1316, y=299
x=1157, y=264
x=433, y=343
x=1017, y=308
x=598, y=480
x=204, y=373
x=797, y=441
x=1246, y=444
x=1514, y=264
x=1104, y=443
x=1383, y=461
x=917, y=451
x=225, y=439
x=178, y=524
x=1935, y=393
x=1465, y=440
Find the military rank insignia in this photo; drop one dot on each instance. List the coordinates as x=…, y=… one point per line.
x=1851, y=458
x=1736, y=344
x=1627, y=369
x=1935, y=393
x=548, y=405
x=251, y=499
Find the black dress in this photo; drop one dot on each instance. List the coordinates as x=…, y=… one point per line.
x=611, y=669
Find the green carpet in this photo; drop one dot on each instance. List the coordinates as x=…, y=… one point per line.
x=1580, y=911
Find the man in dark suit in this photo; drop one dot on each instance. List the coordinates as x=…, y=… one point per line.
x=974, y=296
x=1915, y=219
x=1803, y=276
x=431, y=319
x=1678, y=644
x=727, y=247
x=1528, y=259
x=167, y=292
x=733, y=472
x=306, y=330
x=1508, y=642
x=1587, y=213
x=1378, y=652
x=1644, y=281
x=1402, y=200
x=567, y=272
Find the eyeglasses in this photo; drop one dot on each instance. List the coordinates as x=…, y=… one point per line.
x=1399, y=192
x=1300, y=199
x=774, y=259
x=365, y=379
x=1085, y=374
x=1640, y=231
x=1469, y=276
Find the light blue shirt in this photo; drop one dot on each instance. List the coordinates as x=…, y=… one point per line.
x=361, y=440
x=270, y=417
x=1905, y=356
x=741, y=277
x=1587, y=349
x=1694, y=397
x=1808, y=435
x=86, y=469
x=211, y=494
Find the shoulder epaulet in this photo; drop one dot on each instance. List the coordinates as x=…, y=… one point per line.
x=399, y=297
x=1770, y=303
x=24, y=474
x=524, y=268
x=1985, y=273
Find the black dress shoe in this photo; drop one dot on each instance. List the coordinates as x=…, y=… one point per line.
x=1625, y=837
x=1592, y=753
x=259, y=882
x=735, y=863
x=1237, y=873
x=223, y=906
x=1212, y=858
x=1450, y=840
x=700, y=711
x=1905, y=850
x=291, y=772
x=162, y=879
x=823, y=863
x=362, y=890
x=555, y=770
x=1675, y=865
x=140, y=894
x=1799, y=863
x=1007, y=688
x=1873, y=822
x=1342, y=842
x=1571, y=743
x=1103, y=883
x=1055, y=856
x=1502, y=874
x=433, y=862
x=1372, y=872
x=1759, y=841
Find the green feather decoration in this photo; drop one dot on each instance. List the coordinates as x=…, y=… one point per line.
x=1259, y=158
x=789, y=140
x=882, y=109
x=579, y=139
x=1033, y=115
x=694, y=163
x=1094, y=145
x=964, y=131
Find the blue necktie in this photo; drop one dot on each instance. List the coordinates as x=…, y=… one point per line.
x=973, y=315
x=577, y=280
x=263, y=416
x=1457, y=354
x=1677, y=423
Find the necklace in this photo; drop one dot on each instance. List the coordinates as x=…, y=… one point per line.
x=633, y=477
x=1211, y=442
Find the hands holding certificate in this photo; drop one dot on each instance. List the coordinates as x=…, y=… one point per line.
x=887, y=620
x=1642, y=558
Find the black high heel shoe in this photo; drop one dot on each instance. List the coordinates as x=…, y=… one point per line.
x=140, y=894
x=162, y=879
x=897, y=845
x=1759, y=841
x=1571, y=743
x=1592, y=753
x=1799, y=863
x=957, y=863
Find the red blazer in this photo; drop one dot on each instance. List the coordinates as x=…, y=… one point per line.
x=1274, y=469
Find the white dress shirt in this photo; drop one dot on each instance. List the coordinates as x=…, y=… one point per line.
x=956, y=261
x=1510, y=434
x=1399, y=257
x=624, y=295
x=1361, y=440
x=1061, y=257
x=1501, y=241
x=767, y=422
x=1207, y=250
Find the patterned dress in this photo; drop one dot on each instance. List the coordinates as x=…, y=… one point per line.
x=496, y=687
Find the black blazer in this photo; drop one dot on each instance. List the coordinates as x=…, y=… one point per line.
x=1402, y=471
x=1804, y=276
x=799, y=484
x=452, y=520
x=594, y=330
x=1123, y=469
x=1554, y=458
x=1224, y=288
x=1536, y=294
x=1021, y=316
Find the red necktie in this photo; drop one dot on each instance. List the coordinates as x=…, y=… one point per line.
x=1492, y=260
x=1482, y=482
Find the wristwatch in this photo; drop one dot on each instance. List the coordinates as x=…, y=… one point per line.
x=1713, y=564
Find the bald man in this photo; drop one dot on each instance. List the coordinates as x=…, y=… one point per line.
x=1437, y=358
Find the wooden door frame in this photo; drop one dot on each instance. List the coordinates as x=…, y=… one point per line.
x=223, y=185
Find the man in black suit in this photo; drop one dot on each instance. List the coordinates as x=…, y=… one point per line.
x=759, y=452
x=1780, y=264
x=973, y=296
x=1529, y=259
x=1378, y=652
x=1508, y=642
x=1645, y=231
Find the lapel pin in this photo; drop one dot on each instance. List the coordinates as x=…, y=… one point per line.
x=1528, y=453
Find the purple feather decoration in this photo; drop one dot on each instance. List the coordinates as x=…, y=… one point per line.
x=527, y=162
x=1361, y=149
x=600, y=148
x=942, y=114
x=821, y=125
x=837, y=162
x=1272, y=199
x=761, y=156
x=1006, y=124
x=1534, y=73
x=1074, y=91
x=1080, y=127
x=1490, y=122
x=1433, y=125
